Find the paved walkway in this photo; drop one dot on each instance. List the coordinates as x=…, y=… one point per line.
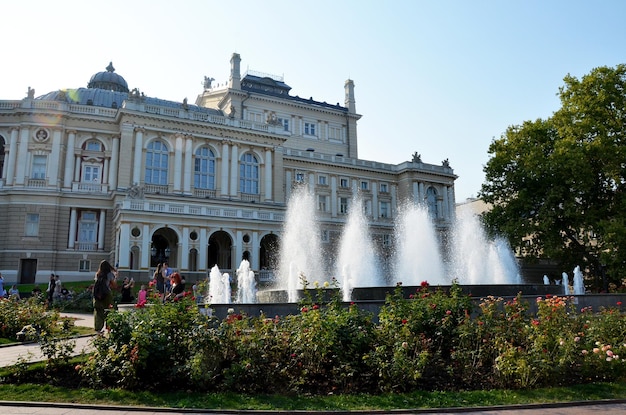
x=31, y=352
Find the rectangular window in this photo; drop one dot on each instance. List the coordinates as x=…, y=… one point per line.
x=384, y=210
x=309, y=128
x=367, y=207
x=91, y=174
x=383, y=188
x=285, y=123
x=343, y=205
x=88, y=227
x=334, y=133
x=321, y=203
x=32, y=224
x=365, y=185
x=93, y=146
x=39, y=167
x=255, y=116
x=300, y=177
x=84, y=265
x=343, y=183
x=322, y=180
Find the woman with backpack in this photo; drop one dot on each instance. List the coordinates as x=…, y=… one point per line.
x=105, y=280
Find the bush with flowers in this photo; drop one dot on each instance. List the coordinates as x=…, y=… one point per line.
x=434, y=339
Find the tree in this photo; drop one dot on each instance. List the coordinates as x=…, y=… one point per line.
x=557, y=186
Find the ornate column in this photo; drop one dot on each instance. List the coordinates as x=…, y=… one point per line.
x=124, y=249
x=178, y=161
x=333, y=196
x=234, y=170
x=225, y=163
x=188, y=165
x=114, y=165
x=138, y=156
x=10, y=169
x=22, y=157
x=202, y=255
x=101, y=228
x=69, y=160
x=55, y=159
x=73, y=226
x=256, y=252
x=145, y=247
x=184, y=250
x=268, y=174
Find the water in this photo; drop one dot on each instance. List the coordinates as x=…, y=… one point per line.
x=473, y=258
x=246, y=284
x=219, y=287
x=579, y=286
x=546, y=280
x=476, y=259
x=417, y=256
x=357, y=265
x=301, y=251
x=566, y=288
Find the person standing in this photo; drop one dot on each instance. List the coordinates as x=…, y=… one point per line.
x=1, y=284
x=159, y=280
x=102, y=293
x=50, y=290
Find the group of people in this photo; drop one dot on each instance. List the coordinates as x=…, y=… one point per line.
x=13, y=292
x=56, y=291
x=169, y=284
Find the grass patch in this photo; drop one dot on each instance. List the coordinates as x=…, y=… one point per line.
x=231, y=401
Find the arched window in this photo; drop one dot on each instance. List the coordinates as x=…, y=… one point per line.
x=204, y=169
x=249, y=174
x=431, y=202
x=156, y=163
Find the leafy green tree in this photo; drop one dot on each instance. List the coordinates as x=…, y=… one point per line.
x=557, y=186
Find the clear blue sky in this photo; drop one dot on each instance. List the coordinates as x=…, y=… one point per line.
x=439, y=77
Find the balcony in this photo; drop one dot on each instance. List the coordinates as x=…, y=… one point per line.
x=90, y=187
x=85, y=246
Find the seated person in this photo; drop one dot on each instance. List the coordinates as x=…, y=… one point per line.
x=178, y=287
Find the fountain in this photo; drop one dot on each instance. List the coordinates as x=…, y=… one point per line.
x=546, y=280
x=356, y=263
x=486, y=266
x=300, y=254
x=219, y=287
x=566, y=289
x=579, y=286
x=246, y=283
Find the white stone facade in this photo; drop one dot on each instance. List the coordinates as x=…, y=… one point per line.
x=142, y=180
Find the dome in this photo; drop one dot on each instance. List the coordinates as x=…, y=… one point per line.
x=108, y=80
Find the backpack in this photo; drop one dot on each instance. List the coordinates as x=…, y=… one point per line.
x=101, y=287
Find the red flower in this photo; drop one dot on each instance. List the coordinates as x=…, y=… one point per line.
x=535, y=322
x=619, y=303
x=424, y=284
x=404, y=321
x=316, y=307
x=304, y=309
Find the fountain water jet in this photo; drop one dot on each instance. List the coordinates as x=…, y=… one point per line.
x=246, y=284
x=300, y=252
x=219, y=287
x=417, y=256
x=579, y=285
x=356, y=262
x=478, y=260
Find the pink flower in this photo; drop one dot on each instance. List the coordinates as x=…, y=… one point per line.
x=304, y=309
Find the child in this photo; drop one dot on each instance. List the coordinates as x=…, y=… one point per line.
x=142, y=295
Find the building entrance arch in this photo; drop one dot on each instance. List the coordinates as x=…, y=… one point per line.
x=220, y=251
x=164, y=248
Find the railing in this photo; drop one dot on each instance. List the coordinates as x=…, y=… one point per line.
x=37, y=183
x=266, y=275
x=156, y=188
x=85, y=246
x=200, y=210
x=206, y=193
x=90, y=187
